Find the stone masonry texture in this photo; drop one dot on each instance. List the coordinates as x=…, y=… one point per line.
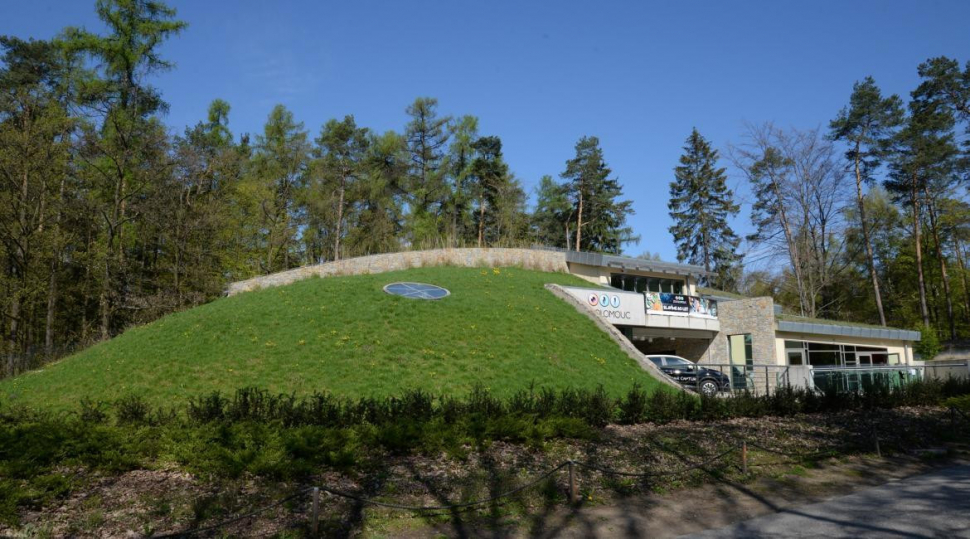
x=533, y=259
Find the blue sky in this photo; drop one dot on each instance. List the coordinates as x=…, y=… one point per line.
x=638, y=75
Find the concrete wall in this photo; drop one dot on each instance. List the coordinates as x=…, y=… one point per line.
x=532, y=259
x=696, y=350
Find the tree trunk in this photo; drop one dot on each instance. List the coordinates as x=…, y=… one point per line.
x=792, y=248
x=52, y=285
x=918, y=238
x=340, y=219
x=870, y=259
x=930, y=208
x=481, y=221
x=963, y=273
x=579, y=222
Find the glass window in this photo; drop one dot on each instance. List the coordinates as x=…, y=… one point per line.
x=641, y=284
x=794, y=345
x=657, y=361
x=653, y=285
x=616, y=280
x=824, y=357
x=677, y=361
x=678, y=287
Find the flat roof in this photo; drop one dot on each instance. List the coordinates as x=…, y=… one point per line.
x=820, y=326
x=634, y=264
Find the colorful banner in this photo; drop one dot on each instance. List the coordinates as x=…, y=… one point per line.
x=679, y=304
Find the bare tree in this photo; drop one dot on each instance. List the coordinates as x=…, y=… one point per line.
x=798, y=211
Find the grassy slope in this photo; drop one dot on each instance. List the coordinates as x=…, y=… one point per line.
x=345, y=335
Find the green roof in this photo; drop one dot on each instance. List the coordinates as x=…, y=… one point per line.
x=810, y=320
x=704, y=291
x=821, y=326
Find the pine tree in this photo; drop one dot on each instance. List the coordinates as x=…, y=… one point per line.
x=340, y=152
x=600, y=216
x=427, y=139
x=128, y=149
x=464, y=133
x=553, y=214
x=700, y=205
x=866, y=125
x=490, y=175
x=923, y=151
x=278, y=180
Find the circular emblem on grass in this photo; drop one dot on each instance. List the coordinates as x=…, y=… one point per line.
x=416, y=290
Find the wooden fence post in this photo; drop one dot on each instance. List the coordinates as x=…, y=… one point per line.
x=744, y=457
x=315, y=512
x=572, y=482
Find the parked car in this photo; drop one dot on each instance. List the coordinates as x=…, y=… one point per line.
x=686, y=373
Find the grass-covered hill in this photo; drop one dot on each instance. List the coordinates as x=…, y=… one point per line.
x=499, y=328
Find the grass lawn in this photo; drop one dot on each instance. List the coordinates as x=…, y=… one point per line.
x=499, y=327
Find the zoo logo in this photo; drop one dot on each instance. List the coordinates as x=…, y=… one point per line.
x=594, y=300
x=615, y=302
x=605, y=301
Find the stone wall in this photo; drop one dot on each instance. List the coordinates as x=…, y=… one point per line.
x=533, y=259
x=755, y=316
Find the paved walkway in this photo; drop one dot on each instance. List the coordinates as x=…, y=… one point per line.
x=936, y=504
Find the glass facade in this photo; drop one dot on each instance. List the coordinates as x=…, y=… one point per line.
x=834, y=355
x=640, y=283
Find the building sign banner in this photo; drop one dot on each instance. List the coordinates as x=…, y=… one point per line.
x=615, y=306
x=680, y=305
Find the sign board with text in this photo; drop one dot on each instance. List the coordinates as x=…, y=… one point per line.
x=615, y=306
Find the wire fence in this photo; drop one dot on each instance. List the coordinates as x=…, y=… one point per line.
x=739, y=447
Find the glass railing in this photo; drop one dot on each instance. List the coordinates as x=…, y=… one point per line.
x=680, y=305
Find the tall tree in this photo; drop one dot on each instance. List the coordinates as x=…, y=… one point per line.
x=700, y=205
x=381, y=194
x=595, y=198
x=922, y=152
x=34, y=162
x=129, y=137
x=461, y=155
x=427, y=139
x=278, y=179
x=341, y=150
x=553, y=214
x=798, y=208
x=867, y=125
x=490, y=173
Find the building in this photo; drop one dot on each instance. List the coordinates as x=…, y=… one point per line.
x=718, y=328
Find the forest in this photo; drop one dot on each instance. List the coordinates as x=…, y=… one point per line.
x=108, y=219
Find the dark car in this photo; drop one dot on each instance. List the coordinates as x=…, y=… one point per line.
x=686, y=373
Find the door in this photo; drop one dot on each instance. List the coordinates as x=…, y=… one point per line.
x=859, y=359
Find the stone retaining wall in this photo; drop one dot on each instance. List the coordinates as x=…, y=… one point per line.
x=533, y=259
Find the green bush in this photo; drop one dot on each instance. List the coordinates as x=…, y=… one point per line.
x=928, y=347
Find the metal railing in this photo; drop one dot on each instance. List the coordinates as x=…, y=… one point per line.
x=854, y=378
x=947, y=368
x=757, y=379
